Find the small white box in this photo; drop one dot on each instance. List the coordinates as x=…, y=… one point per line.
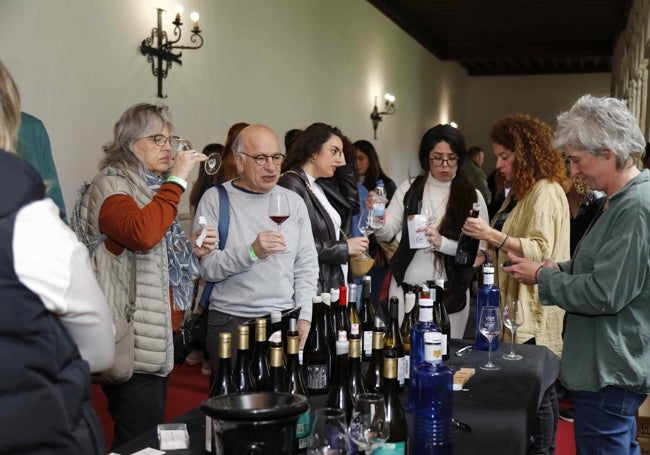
x=173, y=436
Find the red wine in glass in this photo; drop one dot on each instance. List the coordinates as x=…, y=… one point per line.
x=278, y=207
x=279, y=219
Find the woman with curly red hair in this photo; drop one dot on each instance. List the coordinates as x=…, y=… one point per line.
x=533, y=222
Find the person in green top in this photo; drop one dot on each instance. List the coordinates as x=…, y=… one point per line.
x=34, y=147
x=605, y=287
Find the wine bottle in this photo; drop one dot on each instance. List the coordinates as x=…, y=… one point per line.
x=277, y=372
x=330, y=334
x=487, y=295
x=296, y=384
x=222, y=384
x=259, y=359
x=468, y=246
x=397, y=442
x=334, y=307
x=341, y=319
x=441, y=318
x=425, y=324
x=340, y=396
x=241, y=375
x=353, y=314
x=276, y=321
x=373, y=379
x=434, y=401
x=405, y=330
x=357, y=385
x=366, y=316
x=316, y=354
x=393, y=339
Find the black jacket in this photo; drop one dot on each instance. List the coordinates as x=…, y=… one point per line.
x=45, y=394
x=342, y=193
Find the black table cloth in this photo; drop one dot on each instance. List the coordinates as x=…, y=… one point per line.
x=499, y=406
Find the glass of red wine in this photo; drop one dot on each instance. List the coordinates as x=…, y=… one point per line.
x=278, y=208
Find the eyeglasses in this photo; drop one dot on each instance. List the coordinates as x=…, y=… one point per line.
x=438, y=160
x=261, y=160
x=161, y=139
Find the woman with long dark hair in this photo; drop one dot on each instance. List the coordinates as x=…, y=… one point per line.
x=317, y=170
x=445, y=191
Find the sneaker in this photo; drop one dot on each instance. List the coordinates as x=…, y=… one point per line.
x=205, y=368
x=566, y=414
x=195, y=357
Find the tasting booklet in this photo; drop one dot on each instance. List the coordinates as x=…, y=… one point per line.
x=417, y=240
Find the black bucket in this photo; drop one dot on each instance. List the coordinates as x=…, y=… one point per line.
x=255, y=422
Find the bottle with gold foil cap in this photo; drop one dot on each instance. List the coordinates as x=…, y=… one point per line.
x=259, y=360
x=241, y=375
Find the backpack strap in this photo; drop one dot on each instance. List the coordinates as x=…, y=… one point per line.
x=222, y=229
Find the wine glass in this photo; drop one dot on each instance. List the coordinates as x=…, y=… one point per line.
x=513, y=318
x=211, y=166
x=429, y=212
x=366, y=227
x=368, y=426
x=490, y=326
x=279, y=209
x=329, y=433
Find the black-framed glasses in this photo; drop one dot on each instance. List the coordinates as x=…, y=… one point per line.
x=161, y=139
x=438, y=160
x=261, y=160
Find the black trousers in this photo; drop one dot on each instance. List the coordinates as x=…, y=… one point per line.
x=136, y=406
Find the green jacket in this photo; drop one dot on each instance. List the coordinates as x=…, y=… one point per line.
x=605, y=290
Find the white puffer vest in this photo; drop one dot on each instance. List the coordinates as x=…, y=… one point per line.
x=154, y=351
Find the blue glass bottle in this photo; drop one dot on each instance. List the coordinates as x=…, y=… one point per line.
x=487, y=295
x=434, y=401
x=424, y=324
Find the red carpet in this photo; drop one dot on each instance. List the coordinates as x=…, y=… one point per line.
x=188, y=388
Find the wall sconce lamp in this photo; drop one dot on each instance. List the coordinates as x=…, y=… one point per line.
x=376, y=116
x=160, y=54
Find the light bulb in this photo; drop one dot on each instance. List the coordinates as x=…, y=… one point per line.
x=454, y=124
x=390, y=98
x=179, y=9
x=194, y=16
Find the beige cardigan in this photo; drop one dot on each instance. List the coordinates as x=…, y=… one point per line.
x=541, y=221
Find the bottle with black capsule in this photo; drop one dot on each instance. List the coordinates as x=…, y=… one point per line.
x=468, y=246
x=373, y=379
x=316, y=354
x=340, y=395
x=330, y=334
x=241, y=375
x=441, y=318
x=259, y=359
x=397, y=442
x=434, y=401
x=366, y=317
x=405, y=329
x=393, y=339
x=222, y=384
x=296, y=384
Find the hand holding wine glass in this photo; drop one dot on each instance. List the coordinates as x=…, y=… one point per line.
x=365, y=226
x=211, y=165
x=368, y=427
x=513, y=318
x=432, y=219
x=490, y=326
x=279, y=209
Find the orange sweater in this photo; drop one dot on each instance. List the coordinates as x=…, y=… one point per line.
x=129, y=226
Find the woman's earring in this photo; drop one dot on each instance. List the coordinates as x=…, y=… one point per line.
x=312, y=159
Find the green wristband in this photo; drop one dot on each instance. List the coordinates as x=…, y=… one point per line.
x=177, y=180
x=251, y=252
